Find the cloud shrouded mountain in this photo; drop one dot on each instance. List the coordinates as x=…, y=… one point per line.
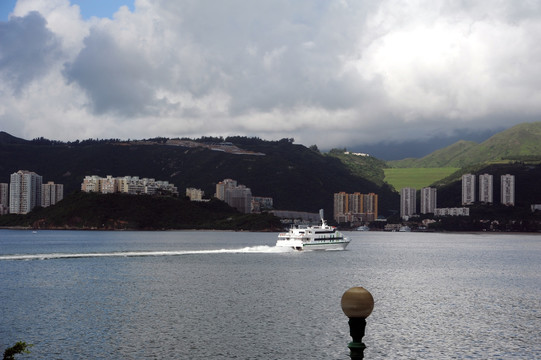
x=331, y=73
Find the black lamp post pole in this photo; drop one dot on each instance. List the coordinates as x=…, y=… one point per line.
x=357, y=303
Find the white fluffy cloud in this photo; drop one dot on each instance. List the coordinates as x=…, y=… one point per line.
x=331, y=73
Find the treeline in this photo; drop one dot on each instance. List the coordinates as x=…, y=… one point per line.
x=41, y=141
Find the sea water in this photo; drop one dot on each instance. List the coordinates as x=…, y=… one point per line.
x=233, y=295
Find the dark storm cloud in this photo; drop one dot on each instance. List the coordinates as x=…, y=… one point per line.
x=27, y=50
x=115, y=77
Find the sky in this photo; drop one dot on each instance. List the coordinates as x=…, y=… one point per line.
x=342, y=73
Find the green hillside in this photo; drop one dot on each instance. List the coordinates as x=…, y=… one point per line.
x=416, y=178
x=519, y=143
x=439, y=158
x=367, y=167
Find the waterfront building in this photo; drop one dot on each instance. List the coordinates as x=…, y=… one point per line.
x=24, y=191
x=51, y=193
x=369, y=206
x=341, y=206
x=4, y=196
x=486, y=188
x=4, y=193
x=355, y=203
x=428, y=200
x=262, y=203
x=408, y=202
x=458, y=211
x=508, y=190
x=468, y=189
x=355, y=207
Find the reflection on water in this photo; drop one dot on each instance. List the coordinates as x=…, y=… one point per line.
x=225, y=295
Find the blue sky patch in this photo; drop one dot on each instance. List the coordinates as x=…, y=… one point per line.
x=89, y=8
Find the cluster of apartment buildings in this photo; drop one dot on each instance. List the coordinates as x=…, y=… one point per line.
x=236, y=195
x=240, y=197
x=486, y=189
x=127, y=184
x=355, y=208
x=428, y=200
x=25, y=191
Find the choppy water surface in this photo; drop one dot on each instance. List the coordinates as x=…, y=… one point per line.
x=228, y=295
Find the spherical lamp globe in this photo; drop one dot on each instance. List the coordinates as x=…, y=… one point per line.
x=357, y=302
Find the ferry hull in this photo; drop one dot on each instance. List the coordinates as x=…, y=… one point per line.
x=315, y=245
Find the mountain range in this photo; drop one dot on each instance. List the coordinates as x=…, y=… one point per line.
x=520, y=142
x=296, y=177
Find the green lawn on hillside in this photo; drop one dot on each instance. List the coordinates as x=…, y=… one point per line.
x=415, y=177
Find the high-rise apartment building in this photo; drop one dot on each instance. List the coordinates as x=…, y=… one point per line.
x=4, y=196
x=508, y=190
x=408, y=202
x=236, y=196
x=486, y=188
x=355, y=207
x=51, y=193
x=24, y=191
x=428, y=200
x=468, y=189
x=355, y=203
x=4, y=193
x=240, y=198
x=222, y=186
x=369, y=206
x=341, y=206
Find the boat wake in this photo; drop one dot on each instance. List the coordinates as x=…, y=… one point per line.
x=263, y=249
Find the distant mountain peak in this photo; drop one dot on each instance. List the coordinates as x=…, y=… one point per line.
x=519, y=141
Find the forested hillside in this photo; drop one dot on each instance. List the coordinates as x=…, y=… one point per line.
x=296, y=177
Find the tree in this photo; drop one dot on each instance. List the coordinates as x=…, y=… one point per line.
x=19, y=348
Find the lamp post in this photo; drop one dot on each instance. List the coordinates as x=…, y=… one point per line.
x=357, y=303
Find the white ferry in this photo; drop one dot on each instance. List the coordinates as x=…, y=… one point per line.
x=318, y=237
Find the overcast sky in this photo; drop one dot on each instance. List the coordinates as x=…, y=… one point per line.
x=331, y=73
